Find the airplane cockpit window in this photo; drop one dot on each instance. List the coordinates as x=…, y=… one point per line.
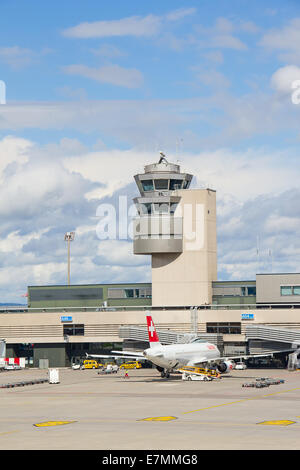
x=199, y=340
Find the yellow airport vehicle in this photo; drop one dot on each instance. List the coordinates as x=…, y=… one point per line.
x=131, y=365
x=200, y=370
x=91, y=364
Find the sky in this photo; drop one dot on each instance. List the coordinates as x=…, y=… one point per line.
x=94, y=90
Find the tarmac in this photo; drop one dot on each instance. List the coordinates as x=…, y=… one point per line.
x=89, y=411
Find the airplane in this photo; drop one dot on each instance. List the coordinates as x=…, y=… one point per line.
x=198, y=353
x=168, y=358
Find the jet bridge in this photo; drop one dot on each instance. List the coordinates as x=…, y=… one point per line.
x=264, y=339
x=285, y=338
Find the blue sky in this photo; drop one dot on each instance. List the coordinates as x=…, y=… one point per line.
x=95, y=89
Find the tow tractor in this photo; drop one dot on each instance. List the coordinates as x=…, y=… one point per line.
x=191, y=373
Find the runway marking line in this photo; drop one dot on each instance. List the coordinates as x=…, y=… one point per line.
x=159, y=418
x=282, y=422
x=53, y=423
x=7, y=432
x=241, y=401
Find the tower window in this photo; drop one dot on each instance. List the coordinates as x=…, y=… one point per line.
x=145, y=208
x=161, y=184
x=175, y=184
x=173, y=207
x=161, y=208
x=147, y=185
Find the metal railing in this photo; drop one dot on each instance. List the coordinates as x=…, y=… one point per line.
x=112, y=308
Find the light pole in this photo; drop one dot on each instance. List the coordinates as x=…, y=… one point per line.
x=69, y=237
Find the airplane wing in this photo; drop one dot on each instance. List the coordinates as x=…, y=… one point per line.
x=203, y=360
x=119, y=356
x=245, y=356
x=130, y=353
x=198, y=362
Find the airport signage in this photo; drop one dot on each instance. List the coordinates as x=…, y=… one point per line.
x=63, y=319
x=247, y=316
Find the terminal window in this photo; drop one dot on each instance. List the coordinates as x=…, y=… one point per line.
x=223, y=328
x=233, y=290
x=289, y=290
x=65, y=293
x=129, y=293
x=73, y=330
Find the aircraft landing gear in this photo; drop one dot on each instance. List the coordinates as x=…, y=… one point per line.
x=165, y=374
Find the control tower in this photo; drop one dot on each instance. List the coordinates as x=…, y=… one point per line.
x=177, y=227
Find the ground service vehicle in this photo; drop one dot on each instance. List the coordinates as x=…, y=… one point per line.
x=131, y=365
x=111, y=369
x=91, y=364
x=204, y=378
x=240, y=366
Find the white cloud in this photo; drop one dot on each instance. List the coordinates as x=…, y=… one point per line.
x=219, y=36
x=16, y=56
x=227, y=41
x=108, y=50
x=284, y=77
x=131, y=26
x=285, y=41
x=13, y=150
x=211, y=78
x=248, y=27
x=263, y=232
x=210, y=121
x=120, y=253
x=120, y=166
x=137, y=26
x=277, y=224
x=112, y=74
x=180, y=13
x=15, y=242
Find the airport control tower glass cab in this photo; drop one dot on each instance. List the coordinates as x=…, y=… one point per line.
x=157, y=229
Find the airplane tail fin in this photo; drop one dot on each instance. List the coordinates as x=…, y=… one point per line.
x=153, y=336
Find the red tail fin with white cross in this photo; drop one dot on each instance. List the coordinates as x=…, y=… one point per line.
x=153, y=336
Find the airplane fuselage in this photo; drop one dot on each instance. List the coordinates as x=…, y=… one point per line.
x=180, y=355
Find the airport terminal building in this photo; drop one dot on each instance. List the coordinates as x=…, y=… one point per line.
x=176, y=226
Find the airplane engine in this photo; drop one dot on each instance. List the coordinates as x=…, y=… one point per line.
x=225, y=367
